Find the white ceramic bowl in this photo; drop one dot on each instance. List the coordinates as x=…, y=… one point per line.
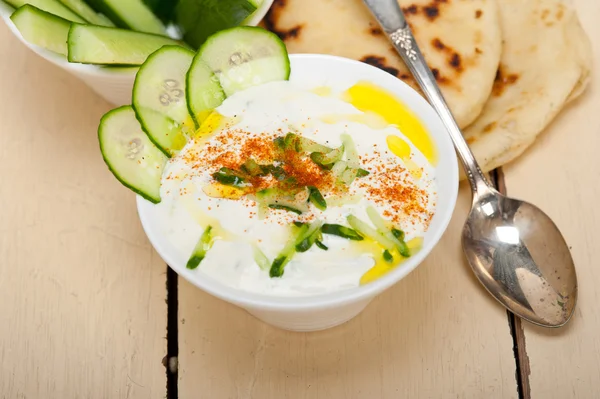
x=112, y=84
x=324, y=311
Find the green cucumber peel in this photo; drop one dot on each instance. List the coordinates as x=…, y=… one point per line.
x=260, y=258
x=389, y=234
x=322, y=246
x=229, y=177
x=308, y=238
x=341, y=231
x=199, y=253
x=285, y=208
x=284, y=257
x=368, y=231
x=316, y=198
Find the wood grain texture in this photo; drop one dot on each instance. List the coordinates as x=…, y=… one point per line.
x=82, y=309
x=561, y=174
x=436, y=334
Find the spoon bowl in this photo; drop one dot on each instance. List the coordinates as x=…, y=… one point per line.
x=521, y=258
x=515, y=249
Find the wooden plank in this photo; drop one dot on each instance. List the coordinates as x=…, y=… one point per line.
x=560, y=174
x=83, y=293
x=436, y=334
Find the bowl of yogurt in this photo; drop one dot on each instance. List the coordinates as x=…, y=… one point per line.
x=307, y=198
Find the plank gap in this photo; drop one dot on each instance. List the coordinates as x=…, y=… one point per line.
x=171, y=360
x=514, y=322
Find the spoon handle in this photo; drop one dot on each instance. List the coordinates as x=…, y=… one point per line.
x=391, y=18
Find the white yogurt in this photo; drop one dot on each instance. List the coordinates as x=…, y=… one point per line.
x=271, y=109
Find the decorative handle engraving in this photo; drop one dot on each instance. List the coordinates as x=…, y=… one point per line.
x=403, y=38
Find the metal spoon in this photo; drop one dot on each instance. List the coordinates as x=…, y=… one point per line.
x=514, y=248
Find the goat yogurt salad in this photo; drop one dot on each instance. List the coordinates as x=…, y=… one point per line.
x=289, y=191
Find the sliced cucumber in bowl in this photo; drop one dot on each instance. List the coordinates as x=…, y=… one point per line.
x=89, y=44
x=42, y=29
x=54, y=7
x=129, y=154
x=86, y=12
x=245, y=56
x=159, y=97
x=131, y=14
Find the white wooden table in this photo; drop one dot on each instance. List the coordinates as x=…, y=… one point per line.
x=83, y=305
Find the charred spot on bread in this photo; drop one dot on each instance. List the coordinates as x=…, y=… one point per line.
x=502, y=80
x=270, y=22
x=379, y=62
x=455, y=62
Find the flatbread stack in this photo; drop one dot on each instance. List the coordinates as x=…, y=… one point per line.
x=505, y=67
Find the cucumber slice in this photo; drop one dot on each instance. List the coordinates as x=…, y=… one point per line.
x=112, y=46
x=306, y=241
x=159, y=90
x=86, y=12
x=260, y=258
x=52, y=6
x=367, y=231
x=379, y=222
x=204, y=92
x=129, y=154
x=245, y=56
x=42, y=28
x=198, y=19
x=287, y=253
x=163, y=9
x=199, y=253
x=132, y=14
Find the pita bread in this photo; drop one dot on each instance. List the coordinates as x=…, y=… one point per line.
x=460, y=39
x=546, y=63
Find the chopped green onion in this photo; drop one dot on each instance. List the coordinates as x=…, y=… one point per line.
x=320, y=244
x=387, y=256
x=362, y=172
x=260, y=258
x=316, y=198
x=341, y=231
x=229, y=177
x=201, y=248
x=285, y=208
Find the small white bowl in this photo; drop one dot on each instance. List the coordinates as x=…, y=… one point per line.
x=324, y=311
x=112, y=84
